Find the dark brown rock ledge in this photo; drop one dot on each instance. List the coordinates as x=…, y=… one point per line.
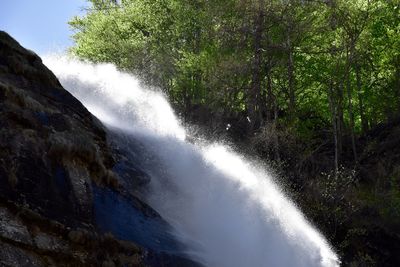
x=57, y=183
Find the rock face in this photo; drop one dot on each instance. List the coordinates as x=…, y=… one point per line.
x=63, y=190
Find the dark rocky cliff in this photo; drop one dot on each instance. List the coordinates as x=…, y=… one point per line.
x=63, y=190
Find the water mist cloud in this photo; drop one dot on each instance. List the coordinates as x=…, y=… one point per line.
x=226, y=210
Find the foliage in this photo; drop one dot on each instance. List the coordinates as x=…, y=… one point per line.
x=335, y=61
x=300, y=80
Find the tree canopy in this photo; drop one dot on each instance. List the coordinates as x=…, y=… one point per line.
x=308, y=65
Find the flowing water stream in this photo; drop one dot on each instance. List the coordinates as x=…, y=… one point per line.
x=226, y=210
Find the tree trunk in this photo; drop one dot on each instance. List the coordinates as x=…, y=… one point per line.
x=364, y=122
x=339, y=117
x=291, y=79
x=270, y=96
x=276, y=139
x=334, y=119
x=349, y=55
x=255, y=90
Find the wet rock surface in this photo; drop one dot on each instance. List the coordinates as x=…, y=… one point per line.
x=66, y=196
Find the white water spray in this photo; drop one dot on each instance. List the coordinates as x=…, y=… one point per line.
x=226, y=210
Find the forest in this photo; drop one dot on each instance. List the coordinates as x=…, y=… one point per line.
x=310, y=86
x=307, y=66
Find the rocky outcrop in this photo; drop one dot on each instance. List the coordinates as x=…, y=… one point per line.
x=64, y=196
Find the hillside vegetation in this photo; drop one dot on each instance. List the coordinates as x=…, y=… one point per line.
x=312, y=87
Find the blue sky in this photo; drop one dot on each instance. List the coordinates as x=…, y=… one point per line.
x=40, y=25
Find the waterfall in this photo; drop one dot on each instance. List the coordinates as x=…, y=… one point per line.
x=226, y=210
